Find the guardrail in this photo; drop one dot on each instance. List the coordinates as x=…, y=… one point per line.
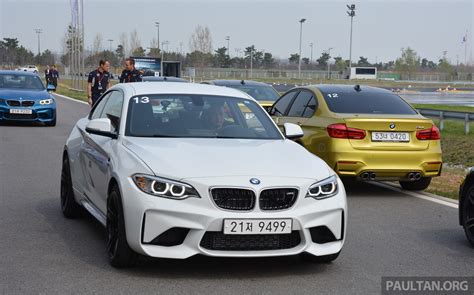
x=452, y=115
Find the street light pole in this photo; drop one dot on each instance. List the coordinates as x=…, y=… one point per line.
x=311, y=58
x=38, y=32
x=251, y=63
x=351, y=13
x=157, y=25
x=301, y=37
x=228, y=45
x=329, y=61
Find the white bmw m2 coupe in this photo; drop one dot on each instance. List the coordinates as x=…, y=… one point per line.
x=173, y=170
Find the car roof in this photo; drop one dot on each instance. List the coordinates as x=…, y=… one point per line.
x=237, y=82
x=10, y=72
x=346, y=88
x=140, y=88
x=162, y=79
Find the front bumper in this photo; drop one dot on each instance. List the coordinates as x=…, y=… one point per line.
x=38, y=114
x=148, y=217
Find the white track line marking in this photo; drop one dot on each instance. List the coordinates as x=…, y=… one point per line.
x=69, y=98
x=430, y=197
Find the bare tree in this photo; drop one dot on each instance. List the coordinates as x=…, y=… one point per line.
x=97, y=45
x=201, y=40
x=123, y=40
x=134, y=41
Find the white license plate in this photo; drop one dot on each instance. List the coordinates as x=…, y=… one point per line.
x=21, y=111
x=257, y=226
x=391, y=136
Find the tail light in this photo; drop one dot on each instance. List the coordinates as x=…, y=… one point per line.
x=342, y=131
x=429, y=134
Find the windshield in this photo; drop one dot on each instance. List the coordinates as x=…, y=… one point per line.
x=367, y=103
x=198, y=116
x=20, y=81
x=260, y=93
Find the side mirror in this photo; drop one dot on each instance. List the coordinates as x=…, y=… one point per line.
x=293, y=131
x=101, y=126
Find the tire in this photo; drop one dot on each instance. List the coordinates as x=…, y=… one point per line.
x=51, y=123
x=69, y=206
x=417, y=185
x=319, y=259
x=119, y=252
x=468, y=214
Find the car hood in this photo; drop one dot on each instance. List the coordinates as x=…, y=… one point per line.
x=24, y=94
x=179, y=158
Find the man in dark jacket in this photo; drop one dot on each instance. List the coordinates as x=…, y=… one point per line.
x=130, y=74
x=98, y=82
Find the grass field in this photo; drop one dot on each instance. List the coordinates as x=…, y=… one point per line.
x=443, y=107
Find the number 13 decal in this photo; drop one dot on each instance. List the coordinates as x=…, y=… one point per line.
x=143, y=99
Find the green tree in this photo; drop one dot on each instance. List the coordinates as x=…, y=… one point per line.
x=305, y=60
x=324, y=59
x=268, y=60
x=341, y=64
x=120, y=52
x=221, y=58
x=446, y=68
x=139, y=51
x=408, y=62
x=45, y=58
x=154, y=52
x=294, y=58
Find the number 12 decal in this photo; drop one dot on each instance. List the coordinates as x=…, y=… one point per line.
x=333, y=95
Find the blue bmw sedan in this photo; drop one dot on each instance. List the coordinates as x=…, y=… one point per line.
x=23, y=97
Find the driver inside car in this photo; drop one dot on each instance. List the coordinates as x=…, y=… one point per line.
x=213, y=118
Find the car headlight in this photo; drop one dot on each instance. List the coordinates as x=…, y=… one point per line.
x=165, y=188
x=323, y=189
x=46, y=101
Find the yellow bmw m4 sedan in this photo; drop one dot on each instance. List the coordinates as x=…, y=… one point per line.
x=364, y=132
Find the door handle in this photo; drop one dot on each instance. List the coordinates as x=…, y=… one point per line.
x=299, y=123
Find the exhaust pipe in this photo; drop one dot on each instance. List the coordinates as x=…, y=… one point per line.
x=372, y=176
x=411, y=176
x=365, y=176
x=417, y=176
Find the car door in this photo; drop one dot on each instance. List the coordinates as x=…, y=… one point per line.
x=98, y=149
x=86, y=147
x=281, y=106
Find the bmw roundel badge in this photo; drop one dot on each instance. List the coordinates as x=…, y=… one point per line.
x=254, y=181
x=392, y=126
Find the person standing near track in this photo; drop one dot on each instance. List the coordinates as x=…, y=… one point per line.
x=46, y=75
x=130, y=74
x=53, y=76
x=98, y=82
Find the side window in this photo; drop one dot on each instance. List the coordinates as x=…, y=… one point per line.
x=282, y=104
x=310, y=108
x=113, y=109
x=300, y=103
x=97, y=110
